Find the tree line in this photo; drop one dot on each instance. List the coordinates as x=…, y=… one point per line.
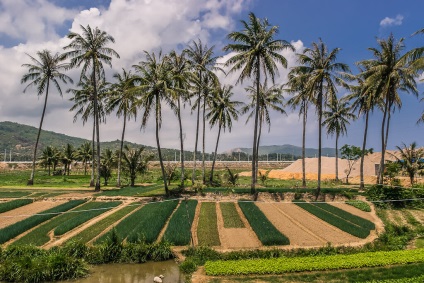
x=190, y=78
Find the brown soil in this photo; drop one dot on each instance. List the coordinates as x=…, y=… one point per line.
x=233, y=238
x=418, y=214
x=396, y=217
x=20, y=213
x=195, y=224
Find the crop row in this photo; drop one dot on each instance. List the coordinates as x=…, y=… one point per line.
x=144, y=224
x=178, y=231
x=207, y=229
x=6, y=206
x=313, y=263
x=230, y=215
x=40, y=235
x=359, y=204
x=401, y=280
x=266, y=232
x=17, y=228
x=334, y=220
x=95, y=229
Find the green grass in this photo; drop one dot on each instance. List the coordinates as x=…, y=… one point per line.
x=13, y=194
x=230, y=215
x=96, y=209
x=94, y=230
x=334, y=220
x=17, y=228
x=6, y=206
x=419, y=243
x=133, y=191
x=207, y=229
x=313, y=263
x=178, y=231
x=266, y=232
x=359, y=204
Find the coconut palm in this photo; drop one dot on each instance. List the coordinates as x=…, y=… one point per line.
x=257, y=52
x=155, y=78
x=68, y=155
x=222, y=111
x=411, y=158
x=202, y=61
x=84, y=154
x=135, y=161
x=336, y=120
x=47, y=157
x=90, y=51
x=320, y=70
x=44, y=70
x=122, y=99
x=388, y=73
x=107, y=163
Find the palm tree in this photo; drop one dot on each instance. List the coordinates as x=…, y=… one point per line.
x=181, y=76
x=123, y=99
x=84, y=154
x=257, y=51
x=222, y=111
x=135, y=162
x=107, y=163
x=47, y=157
x=43, y=71
x=336, y=120
x=68, y=155
x=90, y=51
x=202, y=61
x=319, y=70
x=155, y=85
x=411, y=159
x=388, y=72
x=271, y=98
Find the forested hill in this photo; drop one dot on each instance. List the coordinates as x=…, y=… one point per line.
x=288, y=149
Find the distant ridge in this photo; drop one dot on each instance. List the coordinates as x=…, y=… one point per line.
x=287, y=149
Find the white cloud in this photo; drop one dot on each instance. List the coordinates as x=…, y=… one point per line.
x=387, y=22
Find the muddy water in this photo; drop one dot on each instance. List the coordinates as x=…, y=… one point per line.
x=133, y=273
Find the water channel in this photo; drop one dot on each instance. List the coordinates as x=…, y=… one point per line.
x=132, y=273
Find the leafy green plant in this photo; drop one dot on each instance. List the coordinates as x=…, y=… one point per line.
x=6, y=206
x=266, y=232
x=207, y=230
x=230, y=215
x=232, y=178
x=359, y=204
x=178, y=231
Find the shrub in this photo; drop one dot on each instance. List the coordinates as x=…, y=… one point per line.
x=361, y=205
x=178, y=231
x=397, y=197
x=6, y=206
x=207, y=230
x=266, y=232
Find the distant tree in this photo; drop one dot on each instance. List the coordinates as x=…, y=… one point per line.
x=135, y=161
x=50, y=157
x=411, y=159
x=84, y=154
x=44, y=70
x=106, y=164
x=68, y=155
x=352, y=153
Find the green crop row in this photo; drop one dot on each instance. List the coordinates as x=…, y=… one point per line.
x=178, y=231
x=6, y=206
x=359, y=204
x=17, y=228
x=95, y=229
x=40, y=235
x=334, y=220
x=361, y=222
x=207, y=229
x=96, y=209
x=313, y=263
x=230, y=215
x=266, y=232
x=14, y=194
x=402, y=280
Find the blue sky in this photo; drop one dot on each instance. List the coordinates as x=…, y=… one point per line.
x=27, y=26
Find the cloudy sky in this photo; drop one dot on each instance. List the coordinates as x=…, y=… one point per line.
x=28, y=26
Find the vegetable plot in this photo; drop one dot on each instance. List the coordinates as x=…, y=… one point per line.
x=6, y=206
x=178, y=231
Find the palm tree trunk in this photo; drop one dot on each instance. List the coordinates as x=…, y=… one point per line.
x=203, y=141
x=118, y=182
x=303, y=145
x=31, y=179
x=257, y=145
x=255, y=130
x=96, y=115
x=158, y=145
x=214, y=156
x=195, y=144
x=181, y=142
x=364, y=143
x=337, y=156
x=383, y=148
x=93, y=157
x=319, y=139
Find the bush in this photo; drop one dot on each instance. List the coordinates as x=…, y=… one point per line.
x=396, y=197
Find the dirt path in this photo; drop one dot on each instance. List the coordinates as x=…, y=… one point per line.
x=160, y=236
x=12, y=216
x=195, y=224
x=235, y=237
x=297, y=233
x=56, y=241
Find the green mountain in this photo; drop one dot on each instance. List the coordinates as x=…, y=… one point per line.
x=288, y=149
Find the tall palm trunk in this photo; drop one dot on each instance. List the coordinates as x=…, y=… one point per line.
x=158, y=145
x=31, y=179
x=303, y=145
x=383, y=148
x=364, y=143
x=214, y=156
x=337, y=156
x=181, y=142
x=96, y=115
x=195, y=144
x=118, y=182
x=255, y=131
x=319, y=139
x=257, y=145
x=93, y=156
x=203, y=141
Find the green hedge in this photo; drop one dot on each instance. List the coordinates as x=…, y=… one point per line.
x=230, y=215
x=334, y=220
x=266, y=232
x=17, y=228
x=207, y=229
x=178, y=231
x=313, y=263
x=361, y=222
x=359, y=204
x=6, y=206
x=94, y=210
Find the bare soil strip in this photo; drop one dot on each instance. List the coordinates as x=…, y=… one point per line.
x=418, y=214
x=235, y=237
x=160, y=236
x=12, y=216
x=297, y=233
x=195, y=224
